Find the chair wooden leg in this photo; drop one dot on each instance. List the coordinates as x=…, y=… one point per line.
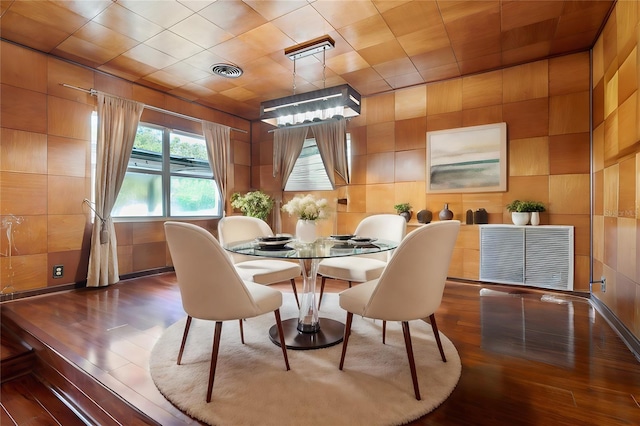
x=384, y=332
x=412, y=363
x=283, y=345
x=349, y=284
x=184, y=339
x=295, y=291
x=321, y=290
x=345, y=339
x=214, y=358
x=241, y=332
x=434, y=326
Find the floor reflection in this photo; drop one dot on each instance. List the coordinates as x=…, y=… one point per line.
x=548, y=337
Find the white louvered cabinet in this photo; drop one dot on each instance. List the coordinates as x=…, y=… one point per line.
x=537, y=256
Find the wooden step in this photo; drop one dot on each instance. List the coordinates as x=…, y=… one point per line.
x=26, y=400
x=62, y=378
x=16, y=357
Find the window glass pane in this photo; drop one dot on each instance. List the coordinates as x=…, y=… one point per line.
x=308, y=173
x=182, y=184
x=189, y=155
x=147, y=149
x=194, y=197
x=140, y=195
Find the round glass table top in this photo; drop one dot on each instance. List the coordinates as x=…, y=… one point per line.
x=320, y=249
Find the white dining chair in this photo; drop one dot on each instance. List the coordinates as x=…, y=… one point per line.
x=366, y=267
x=262, y=271
x=410, y=287
x=211, y=289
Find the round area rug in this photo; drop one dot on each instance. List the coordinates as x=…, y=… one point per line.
x=252, y=386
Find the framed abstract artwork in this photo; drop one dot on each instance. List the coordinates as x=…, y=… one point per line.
x=467, y=159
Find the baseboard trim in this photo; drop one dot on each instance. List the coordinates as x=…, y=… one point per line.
x=6, y=297
x=629, y=339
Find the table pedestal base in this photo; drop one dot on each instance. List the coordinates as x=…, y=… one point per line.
x=331, y=333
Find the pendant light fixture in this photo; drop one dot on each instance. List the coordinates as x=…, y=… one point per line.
x=318, y=105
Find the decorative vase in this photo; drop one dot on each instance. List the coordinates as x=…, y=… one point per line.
x=480, y=217
x=406, y=215
x=520, y=218
x=469, y=217
x=424, y=216
x=535, y=218
x=306, y=231
x=445, y=213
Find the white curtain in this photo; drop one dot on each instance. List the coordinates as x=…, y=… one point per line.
x=331, y=139
x=287, y=145
x=218, y=138
x=117, y=125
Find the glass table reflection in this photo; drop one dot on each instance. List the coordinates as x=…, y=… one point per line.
x=309, y=330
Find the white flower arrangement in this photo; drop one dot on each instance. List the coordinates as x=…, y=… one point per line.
x=306, y=207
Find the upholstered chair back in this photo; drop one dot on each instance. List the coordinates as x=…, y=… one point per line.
x=239, y=228
x=412, y=284
x=382, y=226
x=210, y=287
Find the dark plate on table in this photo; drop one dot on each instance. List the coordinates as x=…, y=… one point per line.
x=362, y=240
x=274, y=247
x=280, y=239
x=273, y=243
x=342, y=237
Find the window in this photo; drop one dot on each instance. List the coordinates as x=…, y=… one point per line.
x=309, y=173
x=168, y=176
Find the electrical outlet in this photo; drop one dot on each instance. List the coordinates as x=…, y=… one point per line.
x=58, y=271
x=603, y=286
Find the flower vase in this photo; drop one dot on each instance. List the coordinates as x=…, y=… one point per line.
x=306, y=231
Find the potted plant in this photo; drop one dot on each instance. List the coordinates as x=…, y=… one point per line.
x=404, y=210
x=523, y=211
x=518, y=215
x=533, y=207
x=253, y=203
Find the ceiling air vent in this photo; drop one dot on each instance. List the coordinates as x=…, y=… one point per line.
x=227, y=70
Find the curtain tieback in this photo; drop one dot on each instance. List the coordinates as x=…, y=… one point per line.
x=104, y=233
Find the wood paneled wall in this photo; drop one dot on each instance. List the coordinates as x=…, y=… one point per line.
x=616, y=164
x=45, y=160
x=546, y=107
x=45, y=169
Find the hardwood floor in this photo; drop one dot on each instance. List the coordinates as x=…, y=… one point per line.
x=528, y=357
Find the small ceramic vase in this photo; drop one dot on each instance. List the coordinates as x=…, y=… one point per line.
x=445, y=213
x=535, y=218
x=480, y=216
x=469, y=217
x=424, y=216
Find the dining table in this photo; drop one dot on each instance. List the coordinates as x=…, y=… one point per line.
x=309, y=330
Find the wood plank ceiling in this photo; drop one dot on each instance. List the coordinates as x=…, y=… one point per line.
x=170, y=45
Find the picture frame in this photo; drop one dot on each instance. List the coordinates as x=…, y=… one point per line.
x=467, y=159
